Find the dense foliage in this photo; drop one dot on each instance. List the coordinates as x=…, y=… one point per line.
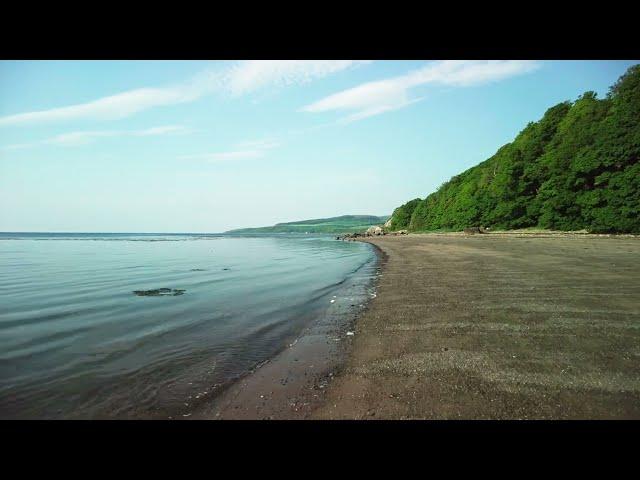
x=342, y=224
x=401, y=216
x=576, y=168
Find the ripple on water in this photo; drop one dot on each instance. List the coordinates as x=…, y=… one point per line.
x=79, y=340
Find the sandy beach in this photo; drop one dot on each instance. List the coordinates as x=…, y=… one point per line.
x=496, y=327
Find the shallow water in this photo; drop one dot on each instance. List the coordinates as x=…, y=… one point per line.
x=76, y=342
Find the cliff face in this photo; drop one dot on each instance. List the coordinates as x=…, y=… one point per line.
x=576, y=168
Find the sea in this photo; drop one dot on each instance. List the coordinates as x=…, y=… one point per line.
x=130, y=325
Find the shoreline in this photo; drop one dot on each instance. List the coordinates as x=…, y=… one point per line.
x=292, y=384
x=496, y=326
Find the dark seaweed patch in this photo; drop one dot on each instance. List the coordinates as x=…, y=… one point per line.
x=159, y=292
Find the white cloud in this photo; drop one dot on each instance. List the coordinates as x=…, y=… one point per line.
x=235, y=154
x=163, y=130
x=74, y=139
x=112, y=107
x=259, y=144
x=17, y=146
x=379, y=96
x=239, y=78
x=251, y=75
x=377, y=109
x=253, y=149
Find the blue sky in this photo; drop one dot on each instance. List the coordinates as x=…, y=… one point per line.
x=205, y=146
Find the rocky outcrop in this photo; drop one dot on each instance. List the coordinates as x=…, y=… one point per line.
x=371, y=232
x=350, y=236
x=473, y=230
x=374, y=230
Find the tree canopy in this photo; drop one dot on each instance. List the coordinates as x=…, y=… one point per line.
x=576, y=168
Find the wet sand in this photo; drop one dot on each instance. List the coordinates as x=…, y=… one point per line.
x=496, y=327
x=293, y=384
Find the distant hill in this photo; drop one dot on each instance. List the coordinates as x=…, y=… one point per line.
x=342, y=224
x=576, y=168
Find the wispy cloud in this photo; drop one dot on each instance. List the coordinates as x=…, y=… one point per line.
x=74, y=139
x=373, y=98
x=378, y=109
x=112, y=107
x=163, y=130
x=251, y=75
x=237, y=79
x=245, y=150
x=17, y=146
x=84, y=137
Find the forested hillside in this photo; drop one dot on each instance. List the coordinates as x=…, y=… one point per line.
x=576, y=168
x=342, y=224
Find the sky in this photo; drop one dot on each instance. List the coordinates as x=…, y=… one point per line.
x=207, y=146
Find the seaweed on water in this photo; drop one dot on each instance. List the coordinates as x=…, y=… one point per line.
x=160, y=292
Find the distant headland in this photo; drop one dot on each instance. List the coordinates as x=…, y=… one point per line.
x=341, y=224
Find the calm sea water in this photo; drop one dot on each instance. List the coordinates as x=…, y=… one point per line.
x=76, y=342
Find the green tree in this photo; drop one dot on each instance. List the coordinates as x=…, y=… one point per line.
x=577, y=167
